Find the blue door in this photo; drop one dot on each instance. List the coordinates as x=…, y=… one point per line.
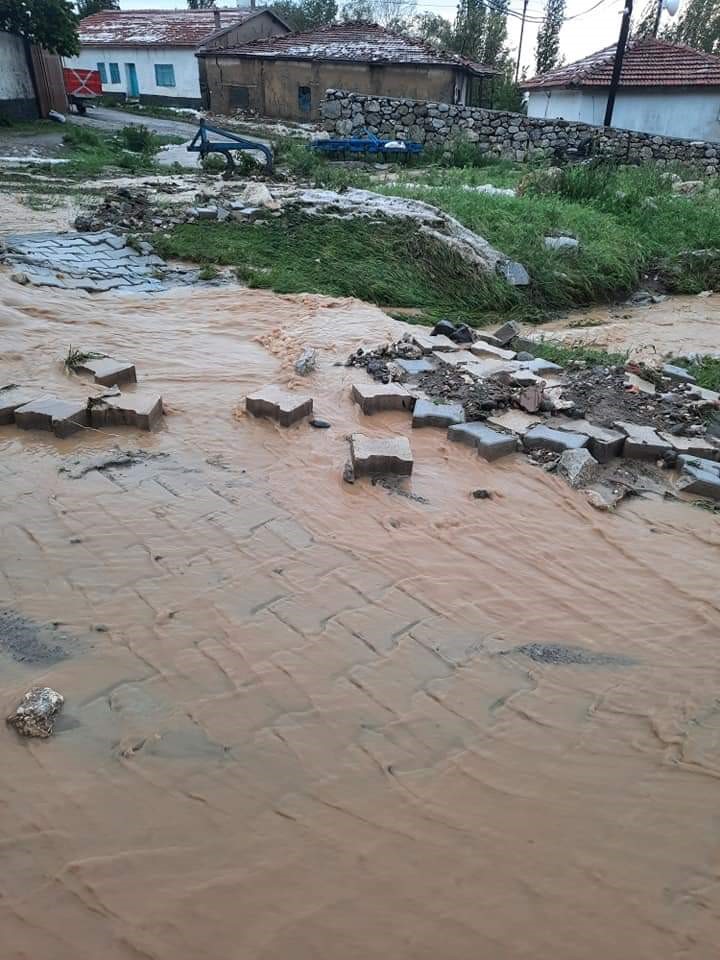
x=304, y=99
x=133, y=90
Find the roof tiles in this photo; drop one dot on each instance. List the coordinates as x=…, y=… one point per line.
x=157, y=28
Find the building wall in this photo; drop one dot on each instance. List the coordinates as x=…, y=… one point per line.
x=272, y=87
x=17, y=93
x=503, y=134
x=688, y=113
x=263, y=25
x=186, y=91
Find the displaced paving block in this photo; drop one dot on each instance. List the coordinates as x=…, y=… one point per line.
x=489, y=443
x=507, y=332
x=642, y=443
x=525, y=378
x=545, y=438
x=278, y=404
x=694, y=446
x=460, y=358
x=12, y=397
x=488, y=338
x=604, y=444
x=427, y=342
x=686, y=461
x=414, y=368
x=677, y=373
x=375, y=397
x=491, y=368
x=62, y=417
x=109, y=372
x=704, y=483
x=306, y=362
x=482, y=348
x=514, y=420
x=380, y=456
x=429, y=414
x=578, y=467
x=540, y=366
x=143, y=411
x=635, y=382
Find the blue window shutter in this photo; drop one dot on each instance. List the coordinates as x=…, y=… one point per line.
x=102, y=72
x=164, y=75
x=114, y=73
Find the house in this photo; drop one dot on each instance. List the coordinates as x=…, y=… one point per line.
x=665, y=88
x=287, y=76
x=31, y=80
x=150, y=54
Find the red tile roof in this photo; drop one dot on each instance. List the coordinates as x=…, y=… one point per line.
x=157, y=28
x=357, y=41
x=647, y=63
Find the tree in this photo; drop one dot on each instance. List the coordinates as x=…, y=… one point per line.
x=305, y=14
x=87, y=7
x=49, y=23
x=432, y=28
x=645, y=26
x=698, y=26
x=547, y=46
x=392, y=14
x=200, y=4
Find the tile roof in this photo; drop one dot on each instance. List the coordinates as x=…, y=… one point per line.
x=647, y=63
x=157, y=28
x=358, y=40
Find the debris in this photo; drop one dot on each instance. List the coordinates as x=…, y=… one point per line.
x=603, y=444
x=545, y=438
x=701, y=481
x=278, y=404
x=514, y=272
x=104, y=461
x=319, y=423
x=135, y=410
x=35, y=714
x=12, y=397
x=414, y=368
x=635, y=382
x=428, y=343
x=306, y=362
x=29, y=642
x=531, y=398
x=481, y=348
x=579, y=467
x=604, y=496
x=562, y=244
x=108, y=371
x=429, y=414
x=373, y=398
x=490, y=443
x=507, y=332
x=257, y=195
x=348, y=472
x=642, y=443
x=378, y=456
x=62, y=417
x=677, y=373
x=481, y=494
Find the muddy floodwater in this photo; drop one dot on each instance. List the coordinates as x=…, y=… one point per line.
x=312, y=721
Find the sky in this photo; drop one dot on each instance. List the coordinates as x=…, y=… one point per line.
x=589, y=32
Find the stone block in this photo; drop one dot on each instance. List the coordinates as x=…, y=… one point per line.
x=686, y=462
x=641, y=443
x=704, y=483
x=376, y=397
x=62, y=417
x=414, y=368
x=380, y=456
x=12, y=397
x=460, y=358
x=545, y=438
x=109, y=372
x=429, y=414
x=640, y=384
x=481, y=348
x=677, y=373
x=514, y=272
x=514, y=420
x=489, y=443
x=541, y=367
x=578, y=467
x=507, y=332
x=603, y=444
x=278, y=404
x=143, y=411
x=692, y=446
x=429, y=343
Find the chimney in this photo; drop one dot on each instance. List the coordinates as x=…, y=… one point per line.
x=216, y=16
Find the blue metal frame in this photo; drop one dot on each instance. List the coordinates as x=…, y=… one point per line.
x=201, y=144
x=368, y=144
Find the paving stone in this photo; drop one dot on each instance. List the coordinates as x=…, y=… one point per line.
x=429, y=414
x=702, y=393
x=427, y=343
x=140, y=410
x=604, y=444
x=686, y=461
x=376, y=397
x=545, y=438
x=507, y=332
x=460, y=358
x=12, y=397
x=639, y=383
x=491, y=368
x=279, y=404
x=380, y=456
x=414, y=368
x=579, y=467
x=62, y=417
x=514, y=420
x=483, y=349
x=642, y=443
x=540, y=366
x=488, y=338
x=490, y=443
x=677, y=373
x=694, y=446
x=525, y=378
x=109, y=372
x=702, y=482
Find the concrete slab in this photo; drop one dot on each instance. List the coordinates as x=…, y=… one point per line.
x=110, y=372
x=414, y=368
x=376, y=397
x=701, y=482
x=514, y=420
x=12, y=397
x=140, y=410
x=380, y=456
x=639, y=383
x=427, y=342
x=604, y=444
x=686, y=462
x=491, y=368
x=278, y=404
x=489, y=443
x=61, y=417
x=677, y=373
x=483, y=349
x=694, y=446
x=545, y=438
x=507, y=332
x=642, y=443
x=460, y=358
x=429, y=414
x=540, y=366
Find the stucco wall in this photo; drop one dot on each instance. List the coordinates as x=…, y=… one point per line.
x=692, y=114
x=187, y=84
x=17, y=94
x=270, y=87
x=511, y=135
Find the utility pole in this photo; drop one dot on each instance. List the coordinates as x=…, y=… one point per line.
x=522, y=30
x=617, y=66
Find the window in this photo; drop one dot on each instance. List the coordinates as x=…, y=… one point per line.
x=114, y=73
x=102, y=72
x=164, y=75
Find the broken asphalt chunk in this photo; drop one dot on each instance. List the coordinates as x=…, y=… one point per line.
x=277, y=404
x=380, y=456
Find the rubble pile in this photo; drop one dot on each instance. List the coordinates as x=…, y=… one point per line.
x=129, y=208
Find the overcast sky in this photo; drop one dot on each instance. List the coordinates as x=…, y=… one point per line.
x=579, y=37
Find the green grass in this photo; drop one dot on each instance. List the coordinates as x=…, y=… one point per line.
x=706, y=371
x=565, y=354
x=91, y=153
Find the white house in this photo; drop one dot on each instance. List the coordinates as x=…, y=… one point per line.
x=150, y=54
x=665, y=88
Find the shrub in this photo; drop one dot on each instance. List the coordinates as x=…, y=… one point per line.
x=138, y=138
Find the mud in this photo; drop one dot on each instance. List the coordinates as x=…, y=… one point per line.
x=29, y=642
x=292, y=736
x=555, y=653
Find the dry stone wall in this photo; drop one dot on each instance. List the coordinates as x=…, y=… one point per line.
x=510, y=135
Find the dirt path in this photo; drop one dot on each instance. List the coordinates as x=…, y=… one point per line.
x=299, y=724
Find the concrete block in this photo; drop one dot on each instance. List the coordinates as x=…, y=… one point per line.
x=380, y=456
x=579, y=467
x=491, y=368
x=62, y=417
x=540, y=367
x=489, y=443
x=603, y=444
x=692, y=446
x=143, y=411
x=429, y=414
x=460, y=358
x=704, y=483
x=414, y=368
x=375, y=397
x=514, y=420
x=109, y=372
x=686, y=461
x=428, y=343
x=639, y=383
x=278, y=404
x=677, y=373
x=507, y=332
x=641, y=443
x=12, y=397
x=483, y=349
x=545, y=438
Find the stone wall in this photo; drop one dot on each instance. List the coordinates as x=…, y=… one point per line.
x=510, y=135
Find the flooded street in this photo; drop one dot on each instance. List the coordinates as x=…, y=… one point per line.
x=312, y=721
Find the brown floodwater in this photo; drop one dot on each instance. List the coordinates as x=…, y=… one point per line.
x=299, y=724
